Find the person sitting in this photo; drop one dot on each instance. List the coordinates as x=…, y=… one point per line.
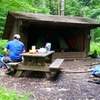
x=14, y=49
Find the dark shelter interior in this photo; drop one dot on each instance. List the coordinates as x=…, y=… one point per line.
x=67, y=39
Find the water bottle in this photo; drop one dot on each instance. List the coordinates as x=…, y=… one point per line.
x=48, y=46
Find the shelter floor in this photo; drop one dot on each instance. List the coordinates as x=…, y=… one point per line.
x=74, y=83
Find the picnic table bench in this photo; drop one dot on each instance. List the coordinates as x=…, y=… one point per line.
x=55, y=67
x=13, y=64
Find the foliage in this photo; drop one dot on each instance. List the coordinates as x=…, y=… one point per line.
x=96, y=37
x=95, y=46
x=2, y=46
x=53, y=6
x=11, y=95
x=72, y=8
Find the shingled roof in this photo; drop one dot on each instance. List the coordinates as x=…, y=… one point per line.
x=55, y=18
x=51, y=21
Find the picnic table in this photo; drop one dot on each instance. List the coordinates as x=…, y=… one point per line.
x=38, y=62
x=35, y=62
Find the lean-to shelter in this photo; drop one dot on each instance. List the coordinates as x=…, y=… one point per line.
x=69, y=36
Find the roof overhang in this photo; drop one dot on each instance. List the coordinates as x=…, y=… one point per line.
x=56, y=19
x=51, y=21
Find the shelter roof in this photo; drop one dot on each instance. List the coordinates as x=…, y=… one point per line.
x=47, y=21
x=55, y=18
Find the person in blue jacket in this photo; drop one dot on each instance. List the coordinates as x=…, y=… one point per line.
x=15, y=48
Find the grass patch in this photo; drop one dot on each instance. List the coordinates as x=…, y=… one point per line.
x=11, y=95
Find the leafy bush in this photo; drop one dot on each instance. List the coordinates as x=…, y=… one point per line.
x=11, y=95
x=96, y=36
x=95, y=46
x=2, y=46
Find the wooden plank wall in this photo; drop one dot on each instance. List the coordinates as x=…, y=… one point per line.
x=69, y=55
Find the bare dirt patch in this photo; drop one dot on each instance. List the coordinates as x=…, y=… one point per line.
x=74, y=83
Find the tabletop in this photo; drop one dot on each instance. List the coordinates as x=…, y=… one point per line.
x=38, y=54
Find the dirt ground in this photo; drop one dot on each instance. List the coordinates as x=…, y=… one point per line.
x=73, y=83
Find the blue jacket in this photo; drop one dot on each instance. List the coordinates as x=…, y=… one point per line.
x=15, y=49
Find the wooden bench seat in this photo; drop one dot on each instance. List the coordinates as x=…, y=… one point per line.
x=50, y=70
x=13, y=64
x=54, y=68
x=56, y=64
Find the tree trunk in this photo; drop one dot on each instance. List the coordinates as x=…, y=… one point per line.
x=58, y=7
x=62, y=7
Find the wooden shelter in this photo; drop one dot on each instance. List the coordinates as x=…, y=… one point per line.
x=69, y=36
